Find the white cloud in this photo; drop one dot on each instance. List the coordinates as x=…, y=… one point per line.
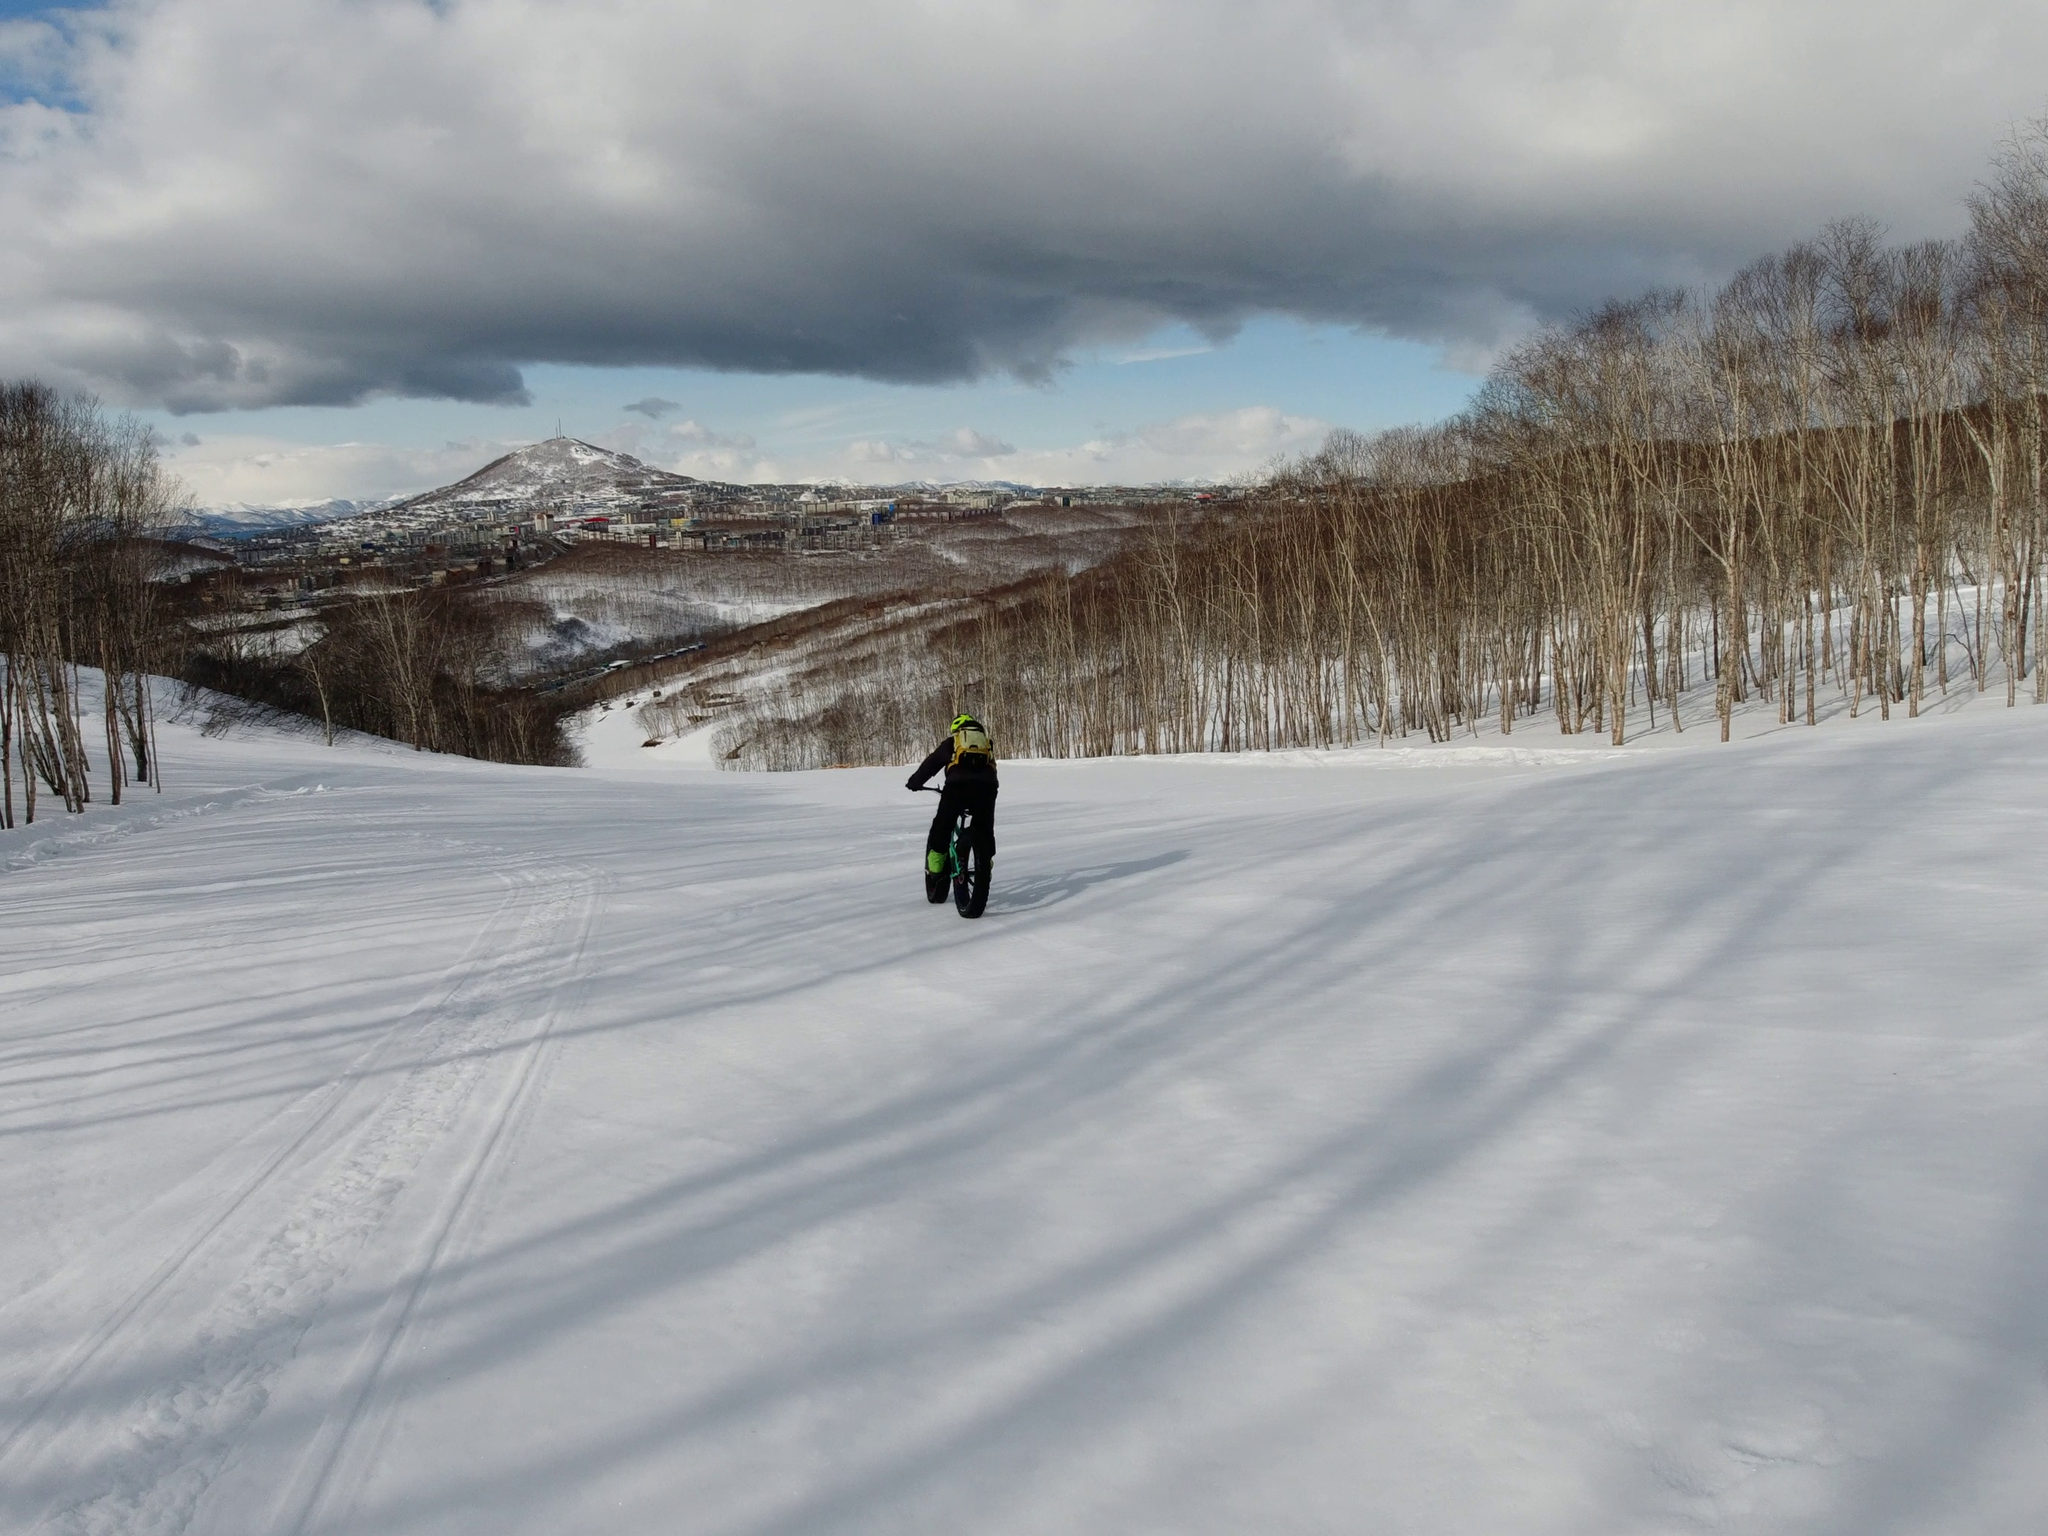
x=695, y=436
x=966, y=443
x=1202, y=447
x=688, y=447
x=265, y=472
x=1161, y=354
x=258, y=471
x=264, y=201
x=870, y=451
x=691, y=448
x=928, y=458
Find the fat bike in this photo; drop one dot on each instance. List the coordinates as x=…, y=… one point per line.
x=964, y=875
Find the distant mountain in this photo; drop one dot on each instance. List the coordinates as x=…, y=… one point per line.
x=909, y=487
x=563, y=473
x=240, y=520
x=564, y=476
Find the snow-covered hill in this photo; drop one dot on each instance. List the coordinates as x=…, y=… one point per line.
x=563, y=470
x=1534, y=1138
x=243, y=520
x=562, y=475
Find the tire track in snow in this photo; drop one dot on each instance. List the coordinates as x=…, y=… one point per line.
x=348, y=1443
x=270, y=1146
x=261, y=1270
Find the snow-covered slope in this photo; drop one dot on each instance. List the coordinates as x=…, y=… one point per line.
x=1530, y=1140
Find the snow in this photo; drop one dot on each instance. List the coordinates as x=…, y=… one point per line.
x=614, y=739
x=1546, y=1139
x=566, y=619
x=243, y=520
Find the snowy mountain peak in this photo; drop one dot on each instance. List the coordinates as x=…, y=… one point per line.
x=560, y=466
x=559, y=475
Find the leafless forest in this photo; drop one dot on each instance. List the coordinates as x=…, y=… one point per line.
x=423, y=667
x=79, y=492
x=608, y=590
x=480, y=668
x=1821, y=486
x=1823, y=481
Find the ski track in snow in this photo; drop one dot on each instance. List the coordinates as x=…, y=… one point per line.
x=316, y=1494
x=285, y=1136
x=258, y=1240
x=1576, y=1141
x=345, y=1170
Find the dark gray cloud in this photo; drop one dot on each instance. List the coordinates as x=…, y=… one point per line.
x=316, y=201
x=653, y=407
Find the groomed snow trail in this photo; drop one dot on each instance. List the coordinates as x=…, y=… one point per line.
x=1544, y=1140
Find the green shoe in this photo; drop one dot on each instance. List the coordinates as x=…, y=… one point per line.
x=934, y=861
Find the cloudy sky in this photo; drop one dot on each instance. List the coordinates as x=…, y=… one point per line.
x=353, y=247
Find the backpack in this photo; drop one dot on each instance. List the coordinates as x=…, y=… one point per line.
x=971, y=741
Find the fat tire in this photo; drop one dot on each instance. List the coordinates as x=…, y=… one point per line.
x=964, y=867
x=963, y=884
x=935, y=887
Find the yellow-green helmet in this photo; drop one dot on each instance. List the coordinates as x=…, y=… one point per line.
x=961, y=722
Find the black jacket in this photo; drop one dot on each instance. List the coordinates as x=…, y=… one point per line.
x=982, y=770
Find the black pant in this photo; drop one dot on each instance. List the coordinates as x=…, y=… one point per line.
x=977, y=796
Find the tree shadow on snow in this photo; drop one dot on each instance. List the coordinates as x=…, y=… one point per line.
x=1628, y=937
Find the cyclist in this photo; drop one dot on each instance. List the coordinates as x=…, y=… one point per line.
x=968, y=757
